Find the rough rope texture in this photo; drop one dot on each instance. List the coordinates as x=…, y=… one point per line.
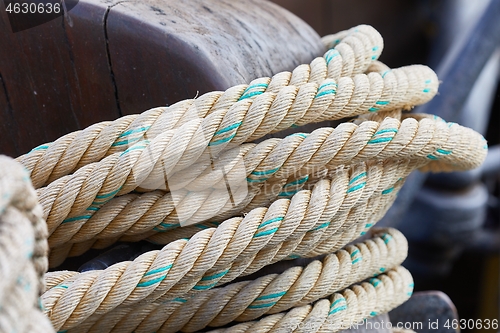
x=249, y=300
x=309, y=194
x=349, y=187
x=72, y=200
x=339, y=311
x=238, y=246
x=23, y=252
x=332, y=87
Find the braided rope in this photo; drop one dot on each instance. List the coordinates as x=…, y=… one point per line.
x=247, y=112
x=339, y=311
x=23, y=251
x=269, y=294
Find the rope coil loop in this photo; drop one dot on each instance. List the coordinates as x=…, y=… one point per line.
x=191, y=178
x=23, y=254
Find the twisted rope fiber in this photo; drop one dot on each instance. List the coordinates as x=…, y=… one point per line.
x=247, y=112
x=350, y=186
x=75, y=198
x=114, y=158
x=233, y=248
x=341, y=63
x=23, y=252
x=177, y=143
x=248, y=300
x=339, y=311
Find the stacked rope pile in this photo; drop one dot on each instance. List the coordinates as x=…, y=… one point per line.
x=190, y=177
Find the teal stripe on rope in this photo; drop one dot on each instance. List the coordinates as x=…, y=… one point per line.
x=250, y=180
x=361, y=175
x=341, y=307
x=374, y=281
x=276, y=219
x=125, y=142
x=385, y=139
x=228, y=128
x=214, y=276
x=356, y=187
x=158, y=270
x=275, y=295
x=389, y=190
x=287, y=193
x=265, y=233
x=298, y=181
x=386, y=238
x=259, y=89
x=139, y=145
x=197, y=287
x=260, y=306
x=42, y=147
x=322, y=91
x=267, y=172
x=166, y=226
x=151, y=282
x=132, y=131
x=321, y=226
x=330, y=54
x=218, y=142
x=443, y=152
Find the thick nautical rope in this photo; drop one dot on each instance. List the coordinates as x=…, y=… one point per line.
x=348, y=186
x=341, y=310
x=75, y=198
x=182, y=145
x=249, y=300
x=216, y=256
x=23, y=251
x=247, y=112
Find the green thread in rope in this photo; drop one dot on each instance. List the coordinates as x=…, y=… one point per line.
x=361, y=175
x=275, y=295
x=356, y=187
x=215, y=276
x=132, y=131
x=375, y=282
x=276, y=219
x=330, y=54
x=386, y=238
x=218, y=142
x=341, y=307
x=198, y=287
x=298, y=181
x=260, y=306
x=258, y=90
x=265, y=233
x=76, y=218
x=267, y=172
x=166, y=226
x=389, y=190
x=321, y=226
x=228, y=128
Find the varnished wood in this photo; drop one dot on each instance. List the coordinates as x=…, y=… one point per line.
x=111, y=58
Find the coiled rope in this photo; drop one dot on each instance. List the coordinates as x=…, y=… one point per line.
x=339, y=311
x=23, y=252
x=249, y=300
x=309, y=194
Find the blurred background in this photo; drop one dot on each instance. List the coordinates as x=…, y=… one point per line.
x=452, y=221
